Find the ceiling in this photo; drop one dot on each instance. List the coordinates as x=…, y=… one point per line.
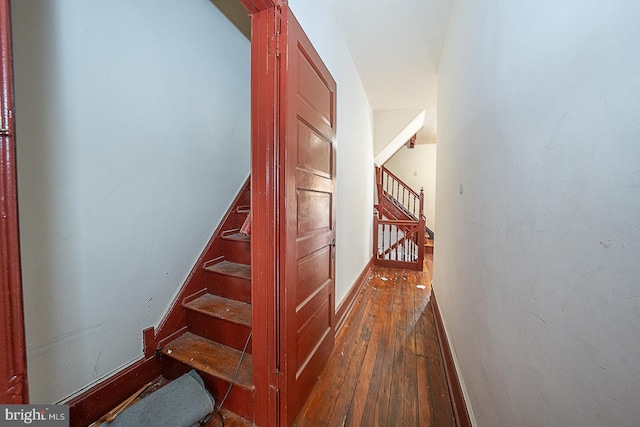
x=396, y=46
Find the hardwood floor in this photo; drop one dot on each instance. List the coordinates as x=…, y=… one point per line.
x=386, y=368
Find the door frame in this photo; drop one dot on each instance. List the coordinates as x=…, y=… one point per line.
x=265, y=196
x=267, y=193
x=13, y=362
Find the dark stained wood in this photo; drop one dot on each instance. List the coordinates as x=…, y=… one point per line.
x=230, y=420
x=229, y=268
x=347, y=303
x=399, y=207
x=211, y=357
x=98, y=400
x=307, y=215
x=238, y=237
x=460, y=411
x=13, y=360
x=217, y=365
x=220, y=319
x=223, y=308
x=230, y=280
x=395, y=192
x=338, y=365
x=402, y=244
x=237, y=247
x=428, y=246
x=265, y=25
x=386, y=368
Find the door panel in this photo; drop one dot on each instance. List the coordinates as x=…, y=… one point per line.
x=307, y=215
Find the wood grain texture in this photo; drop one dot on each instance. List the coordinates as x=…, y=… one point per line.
x=460, y=411
x=223, y=308
x=386, y=368
x=212, y=358
x=90, y=405
x=345, y=307
x=220, y=319
x=265, y=24
x=307, y=216
x=13, y=359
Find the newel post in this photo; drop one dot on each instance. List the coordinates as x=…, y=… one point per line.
x=421, y=202
x=379, y=188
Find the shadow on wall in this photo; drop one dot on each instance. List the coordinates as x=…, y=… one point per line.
x=39, y=129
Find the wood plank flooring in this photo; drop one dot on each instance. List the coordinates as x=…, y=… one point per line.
x=386, y=368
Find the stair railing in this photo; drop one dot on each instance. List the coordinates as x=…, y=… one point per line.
x=399, y=223
x=399, y=243
x=392, y=189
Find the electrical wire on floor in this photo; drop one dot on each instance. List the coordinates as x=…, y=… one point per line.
x=218, y=409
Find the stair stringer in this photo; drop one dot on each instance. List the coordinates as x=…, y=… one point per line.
x=174, y=321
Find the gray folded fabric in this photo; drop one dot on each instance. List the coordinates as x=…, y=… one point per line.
x=181, y=403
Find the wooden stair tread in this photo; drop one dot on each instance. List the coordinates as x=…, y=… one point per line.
x=222, y=308
x=230, y=420
x=238, y=237
x=211, y=358
x=229, y=268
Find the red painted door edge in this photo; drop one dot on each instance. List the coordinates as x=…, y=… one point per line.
x=264, y=201
x=307, y=227
x=13, y=361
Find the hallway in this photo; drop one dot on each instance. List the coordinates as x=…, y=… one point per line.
x=386, y=368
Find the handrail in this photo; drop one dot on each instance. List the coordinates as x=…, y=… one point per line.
x=399, y=243
x=398, y=240
x=398, y=193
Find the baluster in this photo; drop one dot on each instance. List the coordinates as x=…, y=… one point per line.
x=384, y=245
x=397, y=191
x=395, y=246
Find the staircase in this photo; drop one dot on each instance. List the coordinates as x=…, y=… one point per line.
x=399, y=223
x=216, y=317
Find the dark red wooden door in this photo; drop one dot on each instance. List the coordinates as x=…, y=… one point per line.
x=307, y=215
x=13, y=377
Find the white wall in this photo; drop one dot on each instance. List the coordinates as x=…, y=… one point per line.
x=133, y=138
x=417, y=168
x=537, y=266
x=355, y=176
x=388, y=124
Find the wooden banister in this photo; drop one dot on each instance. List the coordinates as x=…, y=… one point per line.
x=399, y=243
x=399, y=238
x=395, y=195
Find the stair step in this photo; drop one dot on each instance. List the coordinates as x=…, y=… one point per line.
x=238, y=237
x=229, y=268
x=230, y=420
x=222, y=308
x=428, y=246
x=236, y=247
x=211, y=358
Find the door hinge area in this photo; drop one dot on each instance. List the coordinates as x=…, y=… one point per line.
x=278, y=30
